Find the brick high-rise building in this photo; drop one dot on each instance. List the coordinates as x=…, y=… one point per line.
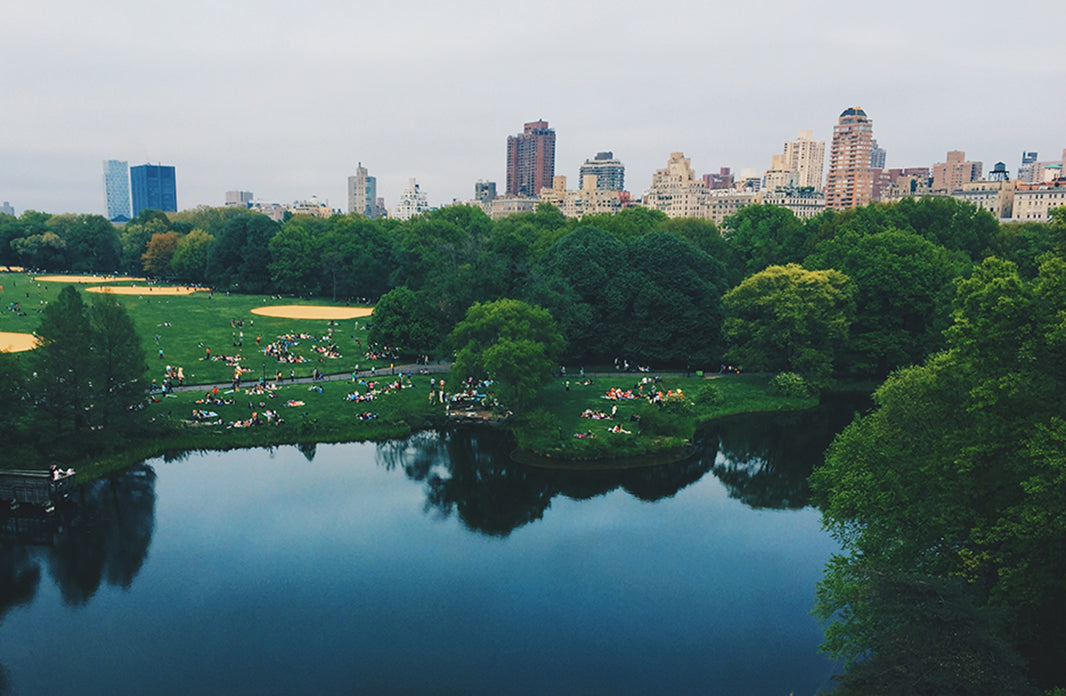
x=850, y=181
x=530, y=160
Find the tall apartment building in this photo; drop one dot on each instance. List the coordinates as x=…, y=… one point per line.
x=877, y=156
x=530, y=160
x=850, y=181
x=949, y=176
x=610, y=173
x=239, y=199
x=117, y=190
x=363, y=194
x=413, y=201
x=154, y=187
x=484, y=192
x=806, y=159
x=7, y=208
x=676, y=191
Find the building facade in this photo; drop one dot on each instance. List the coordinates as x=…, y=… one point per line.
x=117, y=190
x=995, y=196
x=363, y=194
x=610, y=173
x=239, y=199
x=588, y=200
x=805, y=158
x=7, y=208
x=849, y=183
x=676, y=191
x=413, y=201
x=949, y=176
x=1035, y=201
x=530, y=160
x=153, y=187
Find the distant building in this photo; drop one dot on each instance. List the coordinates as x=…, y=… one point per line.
x=413, y=201
x=154, y=187
x=588, y=200
x=676, y=191
x=313, y=207
x=995, y=196
x=1035, y=201
x=893, y=184
x=949, y=176
x=725, y=202
x=1036, y=172
x=363, y=194
x=503, y=206
x=117, y=190
x=1025, y=171
x=530, y=159
x=803, y=202
x=610, y=173
x=7, y=209
x=239, y=199
x=485, y=192
x=877, y=156
x=849, y=183
x=805, y=157
x=722, y=180
x=779, y=175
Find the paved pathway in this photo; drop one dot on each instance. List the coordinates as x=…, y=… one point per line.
x=380, y=373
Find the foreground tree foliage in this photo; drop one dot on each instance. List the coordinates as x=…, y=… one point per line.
x=961, y=471
x=87, y=369
x=787, y=318
x=510, y=342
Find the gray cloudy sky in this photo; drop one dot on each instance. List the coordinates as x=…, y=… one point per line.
x=283, y=98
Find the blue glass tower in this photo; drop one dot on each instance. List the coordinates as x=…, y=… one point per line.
x=154, y=187
x=117, y=190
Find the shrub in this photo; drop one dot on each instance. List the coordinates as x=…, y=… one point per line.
x=709, y=395
x=791, y=384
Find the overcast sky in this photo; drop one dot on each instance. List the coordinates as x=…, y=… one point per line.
x=284, y=98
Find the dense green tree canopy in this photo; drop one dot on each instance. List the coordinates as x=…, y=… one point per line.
x=406, y=322
x=786, y=318
x=903, y=292
x=510, y=342
x=960, y=471
x=765, y=235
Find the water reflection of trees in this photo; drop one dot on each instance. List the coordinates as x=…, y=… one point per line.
x=106, y=540
x=762, y=459
x=469, y=472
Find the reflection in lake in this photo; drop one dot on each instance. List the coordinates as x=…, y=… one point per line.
x=435, y=564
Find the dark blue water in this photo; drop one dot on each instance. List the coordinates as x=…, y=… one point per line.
x=429, y=566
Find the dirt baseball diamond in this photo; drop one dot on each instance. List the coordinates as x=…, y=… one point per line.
x=86, y=279
x=149, y=290
x=16, y=342
x=313, y=312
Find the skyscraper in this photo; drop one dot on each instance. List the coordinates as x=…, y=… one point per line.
x=806, y=160
x=610, y=173
x=154, y=187
x=239, y=199
x=530, y=160
x=850, y=181
x=117, y=190
x=363, y=193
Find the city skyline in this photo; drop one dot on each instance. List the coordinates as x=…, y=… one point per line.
x=86, y=84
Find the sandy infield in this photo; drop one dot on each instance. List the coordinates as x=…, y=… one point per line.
x=16, y=342
x=313, y=312
x=86, y=279
x=149, y=290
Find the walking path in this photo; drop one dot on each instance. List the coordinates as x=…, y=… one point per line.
x=380, y=373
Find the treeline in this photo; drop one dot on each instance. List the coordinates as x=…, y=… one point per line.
x=634, y=285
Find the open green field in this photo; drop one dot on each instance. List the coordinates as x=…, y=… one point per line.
x=189, y=328
x=196, y=331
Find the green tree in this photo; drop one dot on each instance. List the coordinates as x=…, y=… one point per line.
x=903, y=292
x=240, y=257
x=765, y=235
x=91, y=241
x=62, y=362
x=118, y=364
x=158, y=254
x=959, y=472
x=43, y=251
x=510, y=342
x=189, y=262
x=786, y=318
x=406, y=321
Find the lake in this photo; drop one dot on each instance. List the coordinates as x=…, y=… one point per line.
x=432, y=565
